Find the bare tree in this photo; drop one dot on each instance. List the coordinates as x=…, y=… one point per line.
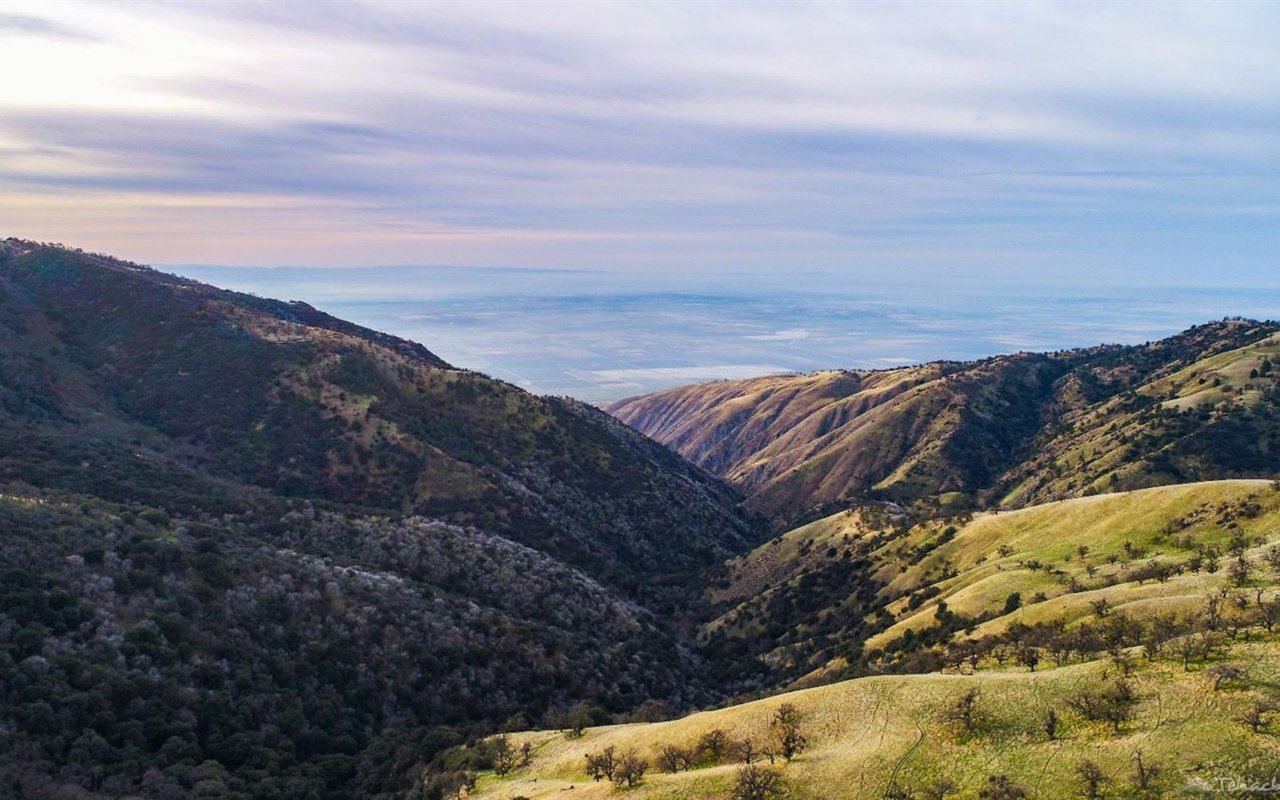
x=630, y=770
x=1093, y=778
x=757, y=783
x=602, y=765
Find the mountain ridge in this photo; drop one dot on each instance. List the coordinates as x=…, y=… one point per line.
x=985, y=432
x=250, y=550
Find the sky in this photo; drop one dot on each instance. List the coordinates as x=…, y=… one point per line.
x=1026, y=142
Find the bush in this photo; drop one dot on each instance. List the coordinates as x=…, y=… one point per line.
x=757, y=783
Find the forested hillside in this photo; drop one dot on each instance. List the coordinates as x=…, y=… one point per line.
x=250, y=550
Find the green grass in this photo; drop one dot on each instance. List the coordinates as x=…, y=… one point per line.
x=1052, y=534
x=869, y=733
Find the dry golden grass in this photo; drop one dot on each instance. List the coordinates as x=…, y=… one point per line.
x=868, y=732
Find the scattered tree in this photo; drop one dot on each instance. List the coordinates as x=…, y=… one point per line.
x=963, y=711
x=630, y=770
x=602, y=765
x=1257, y=715
x=757, y=783
x=788, y=738
x=1221, y=674
x=1114, y=703
x=713, y=744
x=1028, y=657
x=1092, y=779
x=1145, y=775
x=1051, y=724
x=744, y=751
x=505, y=755
x=673, y=759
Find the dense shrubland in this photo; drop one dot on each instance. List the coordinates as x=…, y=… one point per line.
x=298, y=653
x=251, y=550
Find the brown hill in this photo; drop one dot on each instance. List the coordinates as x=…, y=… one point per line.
x=1011, y=430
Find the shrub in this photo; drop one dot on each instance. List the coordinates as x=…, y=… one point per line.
x=999, y=787
x=757, y=783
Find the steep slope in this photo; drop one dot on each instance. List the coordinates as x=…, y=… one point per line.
x=1014, y=429
x=287, y=650
x=125, y=383
x=250, y=550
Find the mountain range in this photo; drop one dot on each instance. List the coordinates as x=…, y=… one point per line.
x=248, y=549
x=1007, y=431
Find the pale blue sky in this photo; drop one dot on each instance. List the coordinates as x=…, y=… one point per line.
x=1027, y=142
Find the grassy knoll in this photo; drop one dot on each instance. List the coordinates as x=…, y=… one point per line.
x=871, y=736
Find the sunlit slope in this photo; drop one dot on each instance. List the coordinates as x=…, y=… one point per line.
x=1007, y=431
x=1135, y=550
x=1213, y=417
x=872, y=734
x=1149, y=554
x=845, y=590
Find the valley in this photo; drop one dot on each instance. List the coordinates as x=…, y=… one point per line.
x=347, y=567
x=1192, y=647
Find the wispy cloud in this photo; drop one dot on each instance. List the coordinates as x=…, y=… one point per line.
x=983, y=138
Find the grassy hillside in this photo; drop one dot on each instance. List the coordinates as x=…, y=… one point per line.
x=873, y=736
x=868, y=590
x=1141, y=591
x=1012, y=430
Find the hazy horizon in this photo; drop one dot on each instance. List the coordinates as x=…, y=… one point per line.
x=604, y=337
x=986, y=141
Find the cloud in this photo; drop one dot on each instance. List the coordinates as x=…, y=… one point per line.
x=674, y=375
x=989, y=138
x=31, y=25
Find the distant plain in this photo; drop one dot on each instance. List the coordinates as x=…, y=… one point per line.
x=600, y=337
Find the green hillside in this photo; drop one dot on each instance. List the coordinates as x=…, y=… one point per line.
x=1186, y=644
x=866, y=590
